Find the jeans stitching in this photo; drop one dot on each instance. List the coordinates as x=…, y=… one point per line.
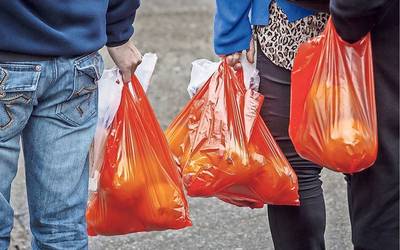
x=12, y=100
x=66, y=118
x=90, y=88
x=10, y=117
x=29, y=68
x=7, y=107
x=2, y=81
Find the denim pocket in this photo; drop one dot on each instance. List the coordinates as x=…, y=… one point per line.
x=18, y=82
x=81, y=105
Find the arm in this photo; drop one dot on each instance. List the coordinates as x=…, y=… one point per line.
x=232, y=29
x=120, y=17
x=353, y=19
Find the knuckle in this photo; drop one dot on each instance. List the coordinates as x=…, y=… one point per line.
x=137, y=61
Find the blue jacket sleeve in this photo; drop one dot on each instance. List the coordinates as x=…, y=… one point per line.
x=232, y=29
x=353, y=19
x=120, y=17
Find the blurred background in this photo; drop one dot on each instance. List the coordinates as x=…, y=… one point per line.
x=180, y=31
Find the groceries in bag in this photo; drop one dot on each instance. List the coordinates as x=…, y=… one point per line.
x=138, y=185
x=333, y=114
x=225, y=149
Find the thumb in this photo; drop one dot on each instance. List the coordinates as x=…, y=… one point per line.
x=251, y=51
x=126, y=75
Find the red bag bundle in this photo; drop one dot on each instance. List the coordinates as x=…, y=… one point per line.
x=333, y=114
x=224, y=148
x=140, y=188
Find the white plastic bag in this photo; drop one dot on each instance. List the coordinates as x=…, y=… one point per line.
x=110, y=87
x=203, y=69
x=250, y=74
x=145, y=70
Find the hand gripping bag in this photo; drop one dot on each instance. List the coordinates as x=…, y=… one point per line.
x=224, y=148
x=333, y=114
x=108, y=103
x=139, y=187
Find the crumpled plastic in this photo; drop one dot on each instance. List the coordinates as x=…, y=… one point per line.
x=224, y=148
x=139, y=187
x=333, y=113
x=108, y=103
x=203, y=69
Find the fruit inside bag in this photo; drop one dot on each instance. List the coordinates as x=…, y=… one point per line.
x=224, y=148
x=109, y=99
x=139, y=187
x=333, y=114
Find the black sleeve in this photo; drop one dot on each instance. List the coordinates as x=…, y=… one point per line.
x=353, y=19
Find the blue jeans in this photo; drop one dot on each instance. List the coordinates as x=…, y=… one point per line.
x=52, y=106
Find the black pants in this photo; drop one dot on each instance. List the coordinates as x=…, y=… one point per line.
x=373, y=194
x=292, y=228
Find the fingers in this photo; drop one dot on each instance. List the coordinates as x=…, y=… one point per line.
x=127, y=57
x=237, y=66
x=233, y=60
x=236, y=57
x=229, y=60
x=251, y=52
x=126, y=75
x=136, y=59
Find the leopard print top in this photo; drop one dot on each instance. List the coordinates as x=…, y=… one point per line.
x=280, y=39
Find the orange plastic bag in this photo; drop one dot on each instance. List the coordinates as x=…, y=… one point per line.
x=225, y=150
x=139, y=188
x=333, y=114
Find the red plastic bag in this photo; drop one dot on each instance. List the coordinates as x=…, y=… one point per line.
x=333, y=114
x=139, y=188
x=226, y=151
